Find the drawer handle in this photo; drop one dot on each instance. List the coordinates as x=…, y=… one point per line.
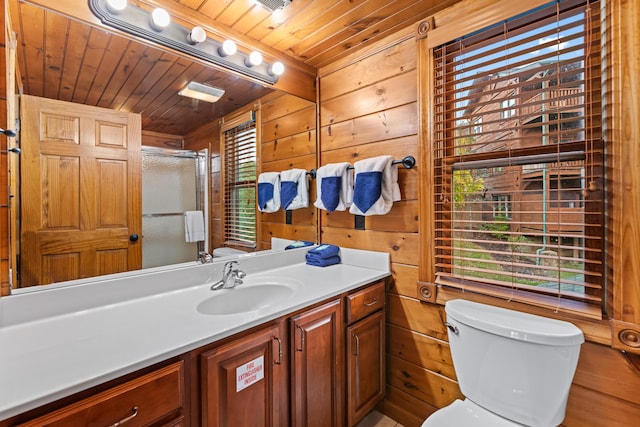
x=279, y=361
x=301, y=348
x=371, y=303
x=134, y=413
x=357, y=349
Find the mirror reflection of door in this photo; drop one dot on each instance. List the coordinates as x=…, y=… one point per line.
x=80, y=190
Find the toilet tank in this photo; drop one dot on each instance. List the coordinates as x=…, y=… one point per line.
x=517, y=365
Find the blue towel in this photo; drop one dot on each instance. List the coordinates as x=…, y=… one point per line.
x=330, y=193
x=323, y=262
x=294, y=189
x=298, y=244
x=269, y=192
x=265, y=194
x=376, y=186
x=334, y=187
x=367, y=190
x=324, y=251
x=288, y=192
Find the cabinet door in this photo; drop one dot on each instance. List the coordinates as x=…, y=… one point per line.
x=365, y=366
x=244, y=382
x=317, y=367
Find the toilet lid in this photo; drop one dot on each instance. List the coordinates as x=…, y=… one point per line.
x=466, y=414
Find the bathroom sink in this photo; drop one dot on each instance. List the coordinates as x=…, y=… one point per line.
x=247, y=297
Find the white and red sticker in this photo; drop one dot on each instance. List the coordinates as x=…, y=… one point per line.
x=249, y=373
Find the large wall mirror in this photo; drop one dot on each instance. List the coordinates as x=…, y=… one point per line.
x=63, y=59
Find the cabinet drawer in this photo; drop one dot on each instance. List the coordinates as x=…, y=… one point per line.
x=362, y=303
x=140, y=402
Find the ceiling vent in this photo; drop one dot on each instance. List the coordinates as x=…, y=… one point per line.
x=274, y=5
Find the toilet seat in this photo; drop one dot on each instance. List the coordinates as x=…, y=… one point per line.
x=465, y=413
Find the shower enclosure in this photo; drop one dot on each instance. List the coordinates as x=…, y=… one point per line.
x=173, y=182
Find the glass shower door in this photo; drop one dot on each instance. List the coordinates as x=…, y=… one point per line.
x=172, y=183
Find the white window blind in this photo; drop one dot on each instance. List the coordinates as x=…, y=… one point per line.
x=240, y=147
x=519, y=162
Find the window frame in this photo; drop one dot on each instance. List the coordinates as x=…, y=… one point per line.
x=232, y=233
x=426, y=62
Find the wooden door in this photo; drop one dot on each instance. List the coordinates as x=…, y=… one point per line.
x=365, y=366
x=80, y=191
x=317, y=367
x=244, y=383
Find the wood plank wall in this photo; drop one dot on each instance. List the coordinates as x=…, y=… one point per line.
x=367, y=107
x=288, y=140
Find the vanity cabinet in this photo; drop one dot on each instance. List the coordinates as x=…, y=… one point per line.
x=365, y=347
x=317, y=366
x=156, y=398
x=244, y=383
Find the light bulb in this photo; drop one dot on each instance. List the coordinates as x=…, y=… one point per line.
x=197, y=35
x=116, y=6
x=255, y=58
x=228, y=48
x=277, y=68
x=160, y=19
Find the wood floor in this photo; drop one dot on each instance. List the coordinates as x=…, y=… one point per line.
x=376, y=419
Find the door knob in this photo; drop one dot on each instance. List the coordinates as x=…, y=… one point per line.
x=133, y=237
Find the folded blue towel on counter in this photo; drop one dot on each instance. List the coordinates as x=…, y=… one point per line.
x=298, y=244
x=324, y=251
x=322, y=262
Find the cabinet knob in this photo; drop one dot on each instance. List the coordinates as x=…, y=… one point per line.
x=133, y=237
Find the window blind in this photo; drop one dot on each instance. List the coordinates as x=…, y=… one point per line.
x=240, y=148
x=519, y=161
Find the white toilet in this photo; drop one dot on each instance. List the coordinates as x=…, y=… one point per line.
x=515, y=369
x=223, y=251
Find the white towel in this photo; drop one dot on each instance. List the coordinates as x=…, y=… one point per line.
x=343, y=186
x=193, y=226
x=269, y=192
x=376, y=186
x=294, y=189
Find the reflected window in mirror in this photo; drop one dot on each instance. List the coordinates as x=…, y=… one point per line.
x=239, y=181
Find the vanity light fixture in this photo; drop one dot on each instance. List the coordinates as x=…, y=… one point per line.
x=277, y=68
x=116, y=6
x=160, y=19
x=255, y=58
x=228, y=48
x=158, y=27
x=202, y=92
x=197, y=35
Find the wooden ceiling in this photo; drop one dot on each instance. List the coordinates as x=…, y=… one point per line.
x=65, y=59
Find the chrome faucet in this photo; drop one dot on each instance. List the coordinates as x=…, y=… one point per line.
x=204, y=257
x=230, y=277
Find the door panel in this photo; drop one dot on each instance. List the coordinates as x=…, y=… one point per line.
x=80, y=191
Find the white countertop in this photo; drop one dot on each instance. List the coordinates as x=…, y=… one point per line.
x=59, y=341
